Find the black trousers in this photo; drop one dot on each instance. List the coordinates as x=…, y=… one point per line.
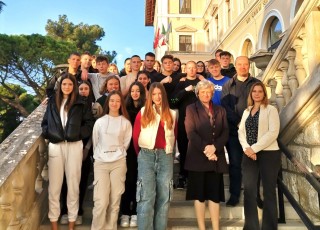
x=268, y=164
x=182, y=141
x=235, y=153
x=128, y=205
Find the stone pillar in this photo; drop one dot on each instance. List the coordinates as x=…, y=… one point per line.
x=298, y=61
x=284, y=81
x=272, y=84
x=312, y=29
x=279, y=90
x=304, y=50
x=292, y=80
x=17, y=186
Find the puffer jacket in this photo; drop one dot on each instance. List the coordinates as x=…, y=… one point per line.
x=79, y=123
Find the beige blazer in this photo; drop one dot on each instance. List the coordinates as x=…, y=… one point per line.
x=268, y=129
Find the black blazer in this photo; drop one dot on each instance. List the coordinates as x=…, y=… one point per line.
x=200, y=134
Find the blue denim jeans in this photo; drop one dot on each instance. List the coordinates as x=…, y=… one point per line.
x=154, y=188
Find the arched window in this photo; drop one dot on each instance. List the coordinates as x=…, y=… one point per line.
x=247, y=50
x=274, y=33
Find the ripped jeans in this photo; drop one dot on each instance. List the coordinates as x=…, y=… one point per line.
x=154, y=188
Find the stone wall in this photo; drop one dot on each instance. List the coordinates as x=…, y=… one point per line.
x=23, y=170
x=305, y=146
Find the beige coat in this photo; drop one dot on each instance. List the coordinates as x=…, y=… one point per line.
x=268, y=129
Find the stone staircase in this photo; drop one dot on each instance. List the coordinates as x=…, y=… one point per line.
x=182, y=216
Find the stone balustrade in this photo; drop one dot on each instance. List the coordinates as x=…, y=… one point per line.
x=23, y=182
x=293, y=82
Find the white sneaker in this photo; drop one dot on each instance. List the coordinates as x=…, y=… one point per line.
x=133, y=221
x=78, y=220
x=64, y=219
x=124, y=221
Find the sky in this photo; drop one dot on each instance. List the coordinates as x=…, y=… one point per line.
x=122, y=21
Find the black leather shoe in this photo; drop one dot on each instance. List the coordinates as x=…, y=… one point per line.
x=232, y=202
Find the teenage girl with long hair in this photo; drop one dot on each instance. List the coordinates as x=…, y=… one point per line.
x=67, y=121
x=111, y=138
x=134, y=102
x=154, y=139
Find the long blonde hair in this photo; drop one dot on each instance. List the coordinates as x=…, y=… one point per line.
x=149, y=115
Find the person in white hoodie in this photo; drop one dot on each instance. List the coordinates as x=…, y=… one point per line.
x=111, y=138
x=258, y=133
x=154, y=136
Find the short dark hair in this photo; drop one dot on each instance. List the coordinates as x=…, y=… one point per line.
x=126, y=60
x=167, y=56
x=75, y=54
x=101, y=58
x=218, y=51
x=135, y=56
x=225, y=53
x=150, y=54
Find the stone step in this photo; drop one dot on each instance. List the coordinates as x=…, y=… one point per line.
x=180, y=208
x=190, y=224
x=226, y=224
x=185, y=209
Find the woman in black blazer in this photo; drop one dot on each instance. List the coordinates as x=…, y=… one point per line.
x=207, y=131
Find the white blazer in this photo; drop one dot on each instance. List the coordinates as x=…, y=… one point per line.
x=268, y=129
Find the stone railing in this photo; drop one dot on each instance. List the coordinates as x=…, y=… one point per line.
x=292, y=76
x=296, y=58
x=23, y=182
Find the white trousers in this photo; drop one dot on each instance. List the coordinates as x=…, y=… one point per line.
x=64, y=158
x=109, y=185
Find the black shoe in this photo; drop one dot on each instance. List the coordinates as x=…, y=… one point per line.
x=232, y=202
x=181, y=183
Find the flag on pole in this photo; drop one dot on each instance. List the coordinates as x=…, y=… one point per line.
x=156, y=39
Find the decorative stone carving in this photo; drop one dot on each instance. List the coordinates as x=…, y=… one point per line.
x=261, y=59
x=292, y=80
x=284, y=81
x=298, y=61
x=279, y=90
x=304, y=50
x=272, y=99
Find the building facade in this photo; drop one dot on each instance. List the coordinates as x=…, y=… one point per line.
x=195, y=29
x=281, y=38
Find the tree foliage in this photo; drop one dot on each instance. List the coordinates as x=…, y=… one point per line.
x=10, y=117
x=27, y=64
x=29, y=60
x=111, y=55
x=84, y=36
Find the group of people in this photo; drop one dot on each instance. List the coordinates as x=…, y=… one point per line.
x=131, y=123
